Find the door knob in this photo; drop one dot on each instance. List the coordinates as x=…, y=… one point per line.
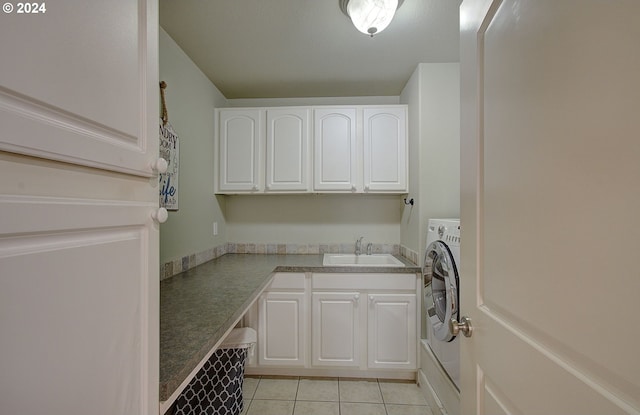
x=463, y=326
x=161, y=215
x=160, y=165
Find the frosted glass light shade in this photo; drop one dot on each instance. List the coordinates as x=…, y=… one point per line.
x=371, y=16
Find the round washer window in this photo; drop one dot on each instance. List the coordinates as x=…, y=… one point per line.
x=441, y=268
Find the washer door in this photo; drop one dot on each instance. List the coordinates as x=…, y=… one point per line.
x=440, y=269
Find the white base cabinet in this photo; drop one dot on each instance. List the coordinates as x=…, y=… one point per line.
x=392, y=341
x=282, y=325
x=351, y=324
x=335, y=323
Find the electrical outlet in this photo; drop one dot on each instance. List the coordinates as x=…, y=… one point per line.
x=215, y=228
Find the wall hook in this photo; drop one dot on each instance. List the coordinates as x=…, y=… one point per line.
x=410, y=202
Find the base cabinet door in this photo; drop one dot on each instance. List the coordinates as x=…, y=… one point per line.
x=281, y=331
x=335, y=329
x=392, y=331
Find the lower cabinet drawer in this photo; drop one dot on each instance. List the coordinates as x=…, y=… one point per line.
x=353, y=281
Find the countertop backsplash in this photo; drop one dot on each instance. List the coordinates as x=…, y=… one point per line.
x=171, y=268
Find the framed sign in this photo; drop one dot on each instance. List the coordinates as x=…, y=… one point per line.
x=169, y=150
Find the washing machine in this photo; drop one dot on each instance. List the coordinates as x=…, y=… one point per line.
x=442, y=293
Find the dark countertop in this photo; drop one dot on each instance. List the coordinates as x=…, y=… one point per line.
x=198, y=306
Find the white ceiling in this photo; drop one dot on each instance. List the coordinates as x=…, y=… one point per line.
x=308, y=48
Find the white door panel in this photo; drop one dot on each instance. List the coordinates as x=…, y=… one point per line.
x=550, y=196
x=78, y=247
x=240, y=140
x=385, y=149
x=335, y=328
x=281, y=330
x=287, y=164
x=84, y=77
x=391, y=331
x=335, y=149
x=74, y=306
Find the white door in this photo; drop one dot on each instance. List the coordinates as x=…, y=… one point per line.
x=79, y=273
x=392, y=339
x=335, y=328
x=385, y=149
x=241, y=138
x=550, y=201
x=335, y=147
x=287, y=150
x=281, y=329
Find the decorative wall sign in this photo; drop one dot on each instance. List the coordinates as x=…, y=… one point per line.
x=169, y=150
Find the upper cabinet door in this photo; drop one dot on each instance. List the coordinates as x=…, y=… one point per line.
x=240, y=135
x=92, y=112
x=287, y=150
x=335, y=155
x=385, y=149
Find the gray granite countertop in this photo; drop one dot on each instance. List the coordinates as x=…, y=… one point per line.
x=198, y=306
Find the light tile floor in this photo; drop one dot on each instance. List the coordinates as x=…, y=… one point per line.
x=331, y=396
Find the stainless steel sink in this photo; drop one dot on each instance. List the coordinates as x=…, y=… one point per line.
x=352, y=260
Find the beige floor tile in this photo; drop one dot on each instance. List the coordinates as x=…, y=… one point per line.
x=270, y=407
x=316, y=408
x=277, y=388
x=349, y=408
x=249, y=386
x=401, y=393
x=408, y=410
x=318, y=390
x=366, y=391
x=245, y=410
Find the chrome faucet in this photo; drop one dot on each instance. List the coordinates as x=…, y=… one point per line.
x=359, y=245
x=369, y=248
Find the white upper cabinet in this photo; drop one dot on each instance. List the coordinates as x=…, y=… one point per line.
x=385, y=149
x=241, y=134
x=335, y=149
x=287, y=149
x=361, y=149
x=355, y=149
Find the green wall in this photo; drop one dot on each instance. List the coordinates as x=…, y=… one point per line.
x=191, y=99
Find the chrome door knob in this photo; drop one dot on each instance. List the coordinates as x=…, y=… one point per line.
x=463, y=326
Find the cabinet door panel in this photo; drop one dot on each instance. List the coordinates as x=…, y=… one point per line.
x=282, y=329
x=385, y=151
x=336, y=329
x=392, y=331
x=240, y=135
x=287, y=149
x=335, y=148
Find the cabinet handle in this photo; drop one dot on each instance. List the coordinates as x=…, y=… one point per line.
x=159, y=166
x=353, y=188
x=255, y=187
x=366, y=188
x=372, y=299
x=160, y=216
x=356, y=298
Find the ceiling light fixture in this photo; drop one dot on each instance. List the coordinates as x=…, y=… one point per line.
x=370, y=16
